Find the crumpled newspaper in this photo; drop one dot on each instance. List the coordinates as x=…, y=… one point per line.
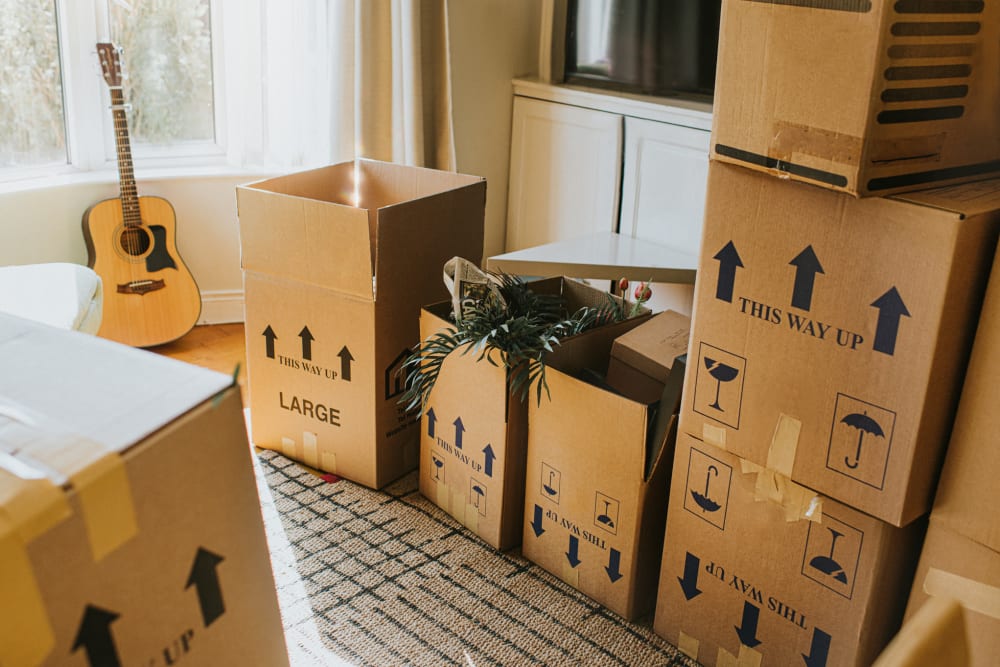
x=467, y=283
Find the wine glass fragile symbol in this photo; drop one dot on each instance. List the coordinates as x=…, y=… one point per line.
x=722, y=373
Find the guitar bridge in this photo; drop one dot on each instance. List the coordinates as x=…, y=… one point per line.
x=140, y=287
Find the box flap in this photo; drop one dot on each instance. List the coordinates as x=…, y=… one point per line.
x=106, y=392
x=967, y=199
x=652, y=347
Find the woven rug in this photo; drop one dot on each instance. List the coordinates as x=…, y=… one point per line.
x=386, y=578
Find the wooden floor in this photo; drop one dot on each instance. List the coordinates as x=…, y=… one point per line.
x=219, y=347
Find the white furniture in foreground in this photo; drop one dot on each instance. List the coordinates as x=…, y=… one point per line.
x=64, y=295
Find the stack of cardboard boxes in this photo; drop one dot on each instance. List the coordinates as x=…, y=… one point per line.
x=832, y=324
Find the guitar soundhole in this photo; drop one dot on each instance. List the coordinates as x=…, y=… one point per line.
x=134, y=241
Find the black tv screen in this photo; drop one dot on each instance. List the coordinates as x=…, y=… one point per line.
x=653, y=47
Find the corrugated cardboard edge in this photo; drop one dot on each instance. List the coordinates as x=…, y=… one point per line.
x=971, y=594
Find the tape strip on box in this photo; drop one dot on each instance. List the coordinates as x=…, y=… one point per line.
x=774, y=482
x=688, y=645
x=714, y=435
x=795, y=138
x=973, y=595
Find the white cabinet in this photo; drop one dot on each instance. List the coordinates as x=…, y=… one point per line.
x=566, y=165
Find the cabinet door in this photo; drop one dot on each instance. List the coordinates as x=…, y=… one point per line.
x=564, y=172
x=663, y=189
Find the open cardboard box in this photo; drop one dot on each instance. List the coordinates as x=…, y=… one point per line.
x=831, y=334
x=864, y=96
x=337, y=263
x=131, y=530
x=474, y=431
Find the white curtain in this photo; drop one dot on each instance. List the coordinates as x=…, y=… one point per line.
x=311, y=82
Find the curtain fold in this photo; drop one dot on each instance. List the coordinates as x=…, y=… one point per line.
x=319, y=82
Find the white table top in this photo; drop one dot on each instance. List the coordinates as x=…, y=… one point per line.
x=605, y=256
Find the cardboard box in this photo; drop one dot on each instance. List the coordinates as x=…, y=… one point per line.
x=474, y=431
x=131, y=530
x=641, y=360
x=333, y=298
x=831, y=334
x=596, y=488
x=936, y=636
x=751, y=579
x=961, y=557
x=865, y=96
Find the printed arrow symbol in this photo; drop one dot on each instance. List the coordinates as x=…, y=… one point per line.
x=890, y=309
x=307, y=339
x=819, y=651
x=345, y=363
x=614, y=565
x=94, y=636
x=205, y=578
x=806, y=267
x=689, y=584
x=431, y=421
x=536, y=524
x=574, y=550
x=490, y=457
x=748, y=631
x=459, y=430
x=729, y=261
x=269, y=338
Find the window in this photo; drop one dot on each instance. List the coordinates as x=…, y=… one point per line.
x=55, y=115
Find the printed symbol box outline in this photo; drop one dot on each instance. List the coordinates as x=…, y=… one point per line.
x=829, y=559
x=862, y=428
x=602, y=503
x=478, y=495
x=437, y=468
x=717, y=375
x=690, y=494
x=550, y=476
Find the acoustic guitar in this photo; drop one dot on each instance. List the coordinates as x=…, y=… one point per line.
x=150, y=296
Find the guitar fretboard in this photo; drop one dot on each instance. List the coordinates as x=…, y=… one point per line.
x=126, y=176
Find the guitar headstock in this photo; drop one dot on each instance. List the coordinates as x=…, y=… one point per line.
x=111, y=66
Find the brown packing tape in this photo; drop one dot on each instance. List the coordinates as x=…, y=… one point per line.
x=794, y=138
x=973, y=595
x=26, y=634
x=106, y=504
x=471, y=518
x=688, y=645
x=310, y=449
x=328, y=461
x=569, y=574
x=714, y=435
x=784, y=443
x=32, y=504
x=747, y=658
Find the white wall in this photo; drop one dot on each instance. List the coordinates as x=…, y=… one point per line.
x=492, y=41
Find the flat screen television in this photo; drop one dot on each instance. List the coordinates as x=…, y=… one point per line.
x=651, y=47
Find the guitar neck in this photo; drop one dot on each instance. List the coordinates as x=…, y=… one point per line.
x=126, y=176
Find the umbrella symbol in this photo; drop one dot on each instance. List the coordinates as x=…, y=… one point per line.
x=864, y=424
x=438, y=464
x=826, y=564
x=604, y=518
x=722, y=373
x=704, y=501
x=548, y=487
x=479, y=493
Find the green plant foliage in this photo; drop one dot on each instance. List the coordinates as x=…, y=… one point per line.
x=514, y=332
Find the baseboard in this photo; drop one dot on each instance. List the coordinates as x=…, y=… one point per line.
x=221, y=306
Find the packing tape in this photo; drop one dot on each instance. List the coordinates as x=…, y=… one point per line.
x=569, y=574
x=31, y=503
x=328, y=461
x=288, y=448
x=26, y=635
x=794, y=138
x=784, y=444
x=973, y=595
x=688, y=645
x=471, y=517
x=714, y=435
x=441, y=494
x=106, y=504
x=310, y=449
x=747, y=658
x=797, y=501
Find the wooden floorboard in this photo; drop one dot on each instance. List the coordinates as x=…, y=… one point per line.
x=219, y=347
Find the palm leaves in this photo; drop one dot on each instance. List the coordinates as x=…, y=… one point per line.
x=514, y=331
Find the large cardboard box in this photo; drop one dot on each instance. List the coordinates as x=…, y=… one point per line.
x=642, y=359
x=864, y=96
x=961, y=556
x=474, y=431
x=130, y=527
x=596, y=487
x=333, y=295
x=754, y=577
x=831, y=333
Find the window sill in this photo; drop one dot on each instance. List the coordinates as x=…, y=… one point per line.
x=72, y=178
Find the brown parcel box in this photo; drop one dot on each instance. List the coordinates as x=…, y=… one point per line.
x=130, y=526
x=742, y=577
x=837, y=329
x=961, y=556
x=641, y=360
x=333, y=298
x=473, y=439
x=869, y=97
x=596, y=489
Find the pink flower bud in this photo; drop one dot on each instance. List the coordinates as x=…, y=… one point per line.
x=623, y=285
x=643, y=292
